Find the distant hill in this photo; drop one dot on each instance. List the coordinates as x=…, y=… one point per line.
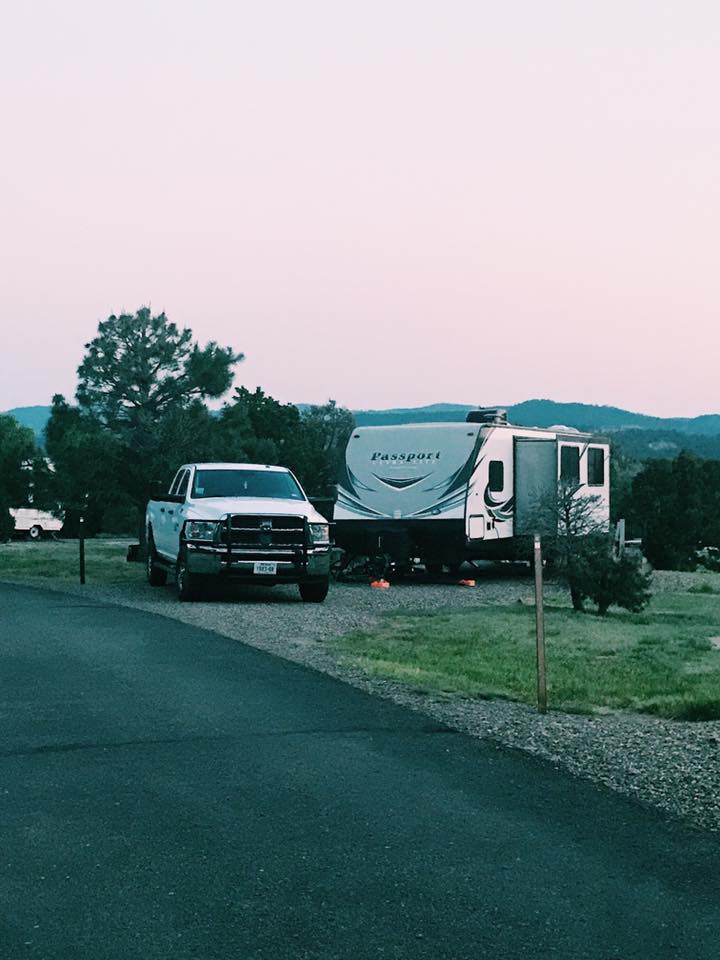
x=636, y=434
x=33, y=417
x=546, y=413
x=664, y=444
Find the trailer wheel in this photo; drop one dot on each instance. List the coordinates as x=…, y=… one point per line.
x=315, y=592
x=35, y=532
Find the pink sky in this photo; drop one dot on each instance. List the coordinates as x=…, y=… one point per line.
x=388, y=202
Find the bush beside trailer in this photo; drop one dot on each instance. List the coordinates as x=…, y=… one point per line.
x=445, y=493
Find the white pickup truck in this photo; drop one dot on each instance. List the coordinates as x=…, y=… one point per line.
x=244, y=522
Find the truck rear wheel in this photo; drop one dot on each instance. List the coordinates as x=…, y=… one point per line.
x=315, y=591
x=188, y=586
x=156, y=575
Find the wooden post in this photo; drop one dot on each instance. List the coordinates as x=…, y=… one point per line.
x=82, y=550
x=540, y=627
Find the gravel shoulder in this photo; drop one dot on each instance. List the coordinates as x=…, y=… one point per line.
x=669, y=765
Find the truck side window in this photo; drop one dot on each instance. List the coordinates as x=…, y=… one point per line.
x=496, y=476
x=596, y=467
x=183, y=485
x=570, y=464
x=176, y=481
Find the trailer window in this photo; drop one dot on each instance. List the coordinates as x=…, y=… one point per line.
x=497, y=476
x=596, y=467
x=570, y=464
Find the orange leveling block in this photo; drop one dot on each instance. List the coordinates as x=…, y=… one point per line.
x=380, y=584
x=466, y=583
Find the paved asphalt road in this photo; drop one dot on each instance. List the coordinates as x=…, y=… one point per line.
x=169, y=793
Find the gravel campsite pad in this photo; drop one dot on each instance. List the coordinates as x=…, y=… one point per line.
x=672, y=765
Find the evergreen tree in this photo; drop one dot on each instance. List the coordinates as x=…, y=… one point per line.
x=17, y=451
x=141, y=392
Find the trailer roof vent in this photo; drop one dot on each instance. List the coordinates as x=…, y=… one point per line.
x=494, y=415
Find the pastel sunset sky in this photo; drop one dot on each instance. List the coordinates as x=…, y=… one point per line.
x=388, y=202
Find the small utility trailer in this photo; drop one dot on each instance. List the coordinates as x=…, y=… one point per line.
x=35, y=524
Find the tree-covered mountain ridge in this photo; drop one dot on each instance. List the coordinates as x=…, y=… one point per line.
x=546, y=413
x=535, y=413
x=637, y=434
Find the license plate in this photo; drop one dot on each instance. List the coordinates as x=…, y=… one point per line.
x=265, y=566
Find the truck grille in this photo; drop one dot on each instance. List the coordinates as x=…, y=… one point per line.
x=264, y=533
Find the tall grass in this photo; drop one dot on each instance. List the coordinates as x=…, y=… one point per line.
x=58, y=561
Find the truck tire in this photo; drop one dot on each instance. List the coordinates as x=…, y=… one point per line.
x=35, y=532
x=315, y=591
x=156, y=575
x=188, y=585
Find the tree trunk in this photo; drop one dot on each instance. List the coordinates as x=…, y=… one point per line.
x=578, y=600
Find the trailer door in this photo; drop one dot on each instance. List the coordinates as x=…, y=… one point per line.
x=536, y=480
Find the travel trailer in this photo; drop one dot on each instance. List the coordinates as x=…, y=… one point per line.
x=444, y=493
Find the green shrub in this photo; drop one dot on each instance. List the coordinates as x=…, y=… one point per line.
x=608, y=580
x=704, y=587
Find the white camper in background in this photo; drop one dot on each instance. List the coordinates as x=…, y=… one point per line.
x=35, y=523
x=450, y=492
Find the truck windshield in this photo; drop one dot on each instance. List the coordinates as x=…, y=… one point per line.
x=246, y=483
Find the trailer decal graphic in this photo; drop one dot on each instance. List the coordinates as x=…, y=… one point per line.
x=401, y=483
x=458, y=480
x=441, y=506
x=357, y=506
x=500, y=510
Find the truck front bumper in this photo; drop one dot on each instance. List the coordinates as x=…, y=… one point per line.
x=213, y=561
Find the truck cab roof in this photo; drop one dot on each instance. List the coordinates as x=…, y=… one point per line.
x=233, y=466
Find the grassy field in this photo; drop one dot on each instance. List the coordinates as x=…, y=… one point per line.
x=58, y=561
x=665, y=661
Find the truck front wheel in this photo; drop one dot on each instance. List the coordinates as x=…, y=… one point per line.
x=188, y=587
x=315, y=591
x=156, y=575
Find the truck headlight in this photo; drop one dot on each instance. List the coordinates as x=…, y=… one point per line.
x=200, y=530
x=319, y=532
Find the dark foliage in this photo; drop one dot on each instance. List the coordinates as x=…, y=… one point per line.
x=608, y=580
x=7, y=524
x=581, y=550
x=676, y=506
x=256, y=428
x=17, y=450
x=87, y=460
x=139, y=366
x=141, y=413
x=661, y=444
